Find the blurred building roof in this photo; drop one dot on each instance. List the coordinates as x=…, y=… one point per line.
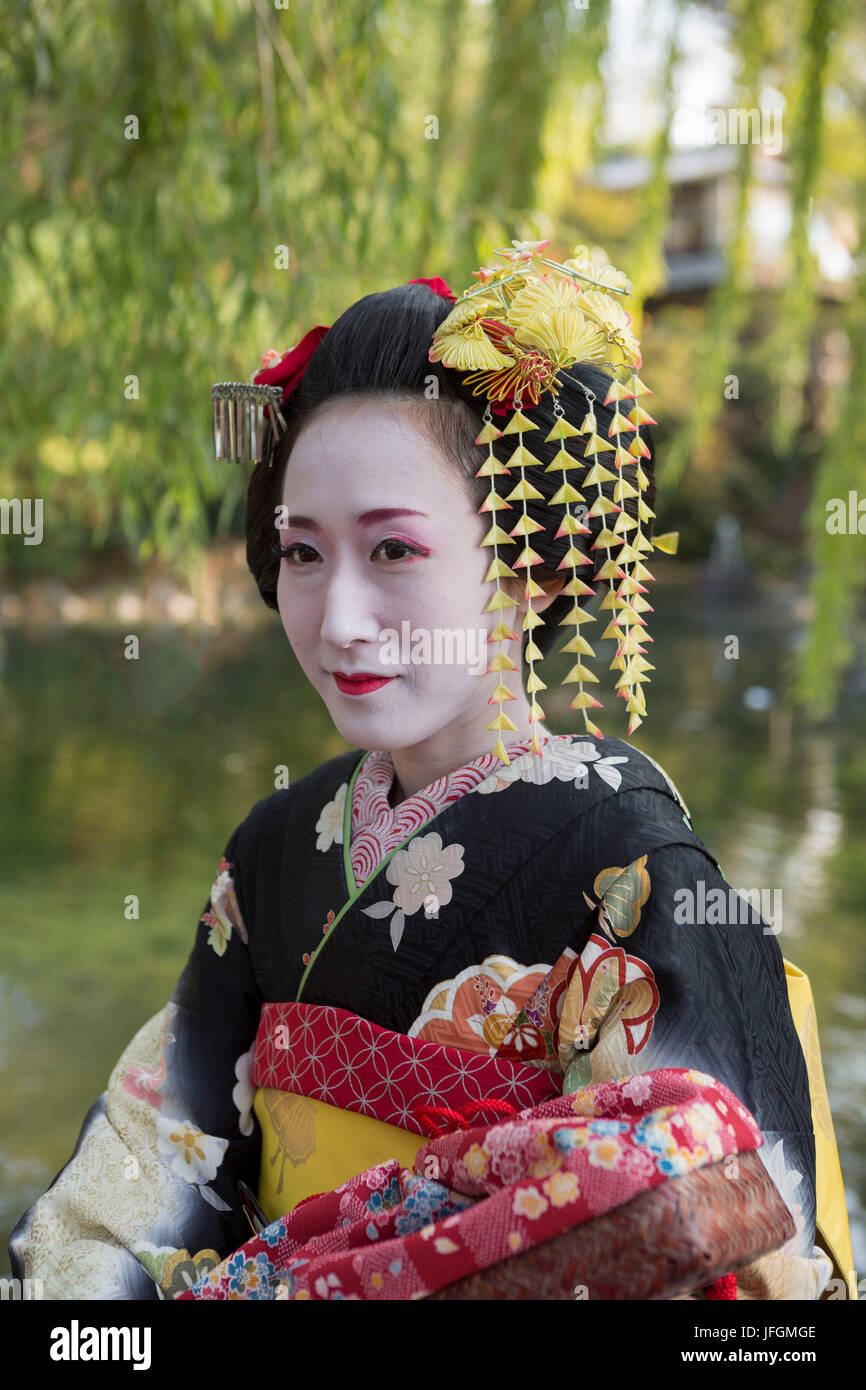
x=703, y=185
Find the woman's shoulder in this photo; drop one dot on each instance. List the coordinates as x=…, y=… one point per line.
x=619, y=800
x=640, y=769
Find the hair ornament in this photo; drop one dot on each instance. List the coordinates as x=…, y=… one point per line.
x=512, y=334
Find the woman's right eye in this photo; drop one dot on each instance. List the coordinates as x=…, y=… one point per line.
x=287, y=552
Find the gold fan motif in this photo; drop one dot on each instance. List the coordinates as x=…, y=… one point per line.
x=293, y=1120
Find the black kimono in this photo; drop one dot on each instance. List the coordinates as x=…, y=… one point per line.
x=495, y=879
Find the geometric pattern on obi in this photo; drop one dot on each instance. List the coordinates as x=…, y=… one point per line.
x=332, y=1055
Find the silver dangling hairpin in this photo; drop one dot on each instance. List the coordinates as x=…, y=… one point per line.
x=239, y=419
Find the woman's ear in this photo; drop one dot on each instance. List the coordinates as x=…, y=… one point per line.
x=551, y=591
x=552, y=587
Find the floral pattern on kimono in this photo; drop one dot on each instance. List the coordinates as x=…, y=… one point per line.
x=422, y=875
x=478, y=1009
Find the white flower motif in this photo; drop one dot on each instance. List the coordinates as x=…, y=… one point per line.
x=788, y=1182
x=424, y=867
x=562, y=759
x=330, y=822
x=225, y=914
x=188, y=1152
x=786, y=1179
x=244, y=1092
x=329, y=1286
x=637, y=1088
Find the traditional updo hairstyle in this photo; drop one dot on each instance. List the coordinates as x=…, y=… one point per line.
x=379, y=348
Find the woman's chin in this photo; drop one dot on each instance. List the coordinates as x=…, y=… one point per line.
x=362, y=723
x=397, y=716
x=380, y=728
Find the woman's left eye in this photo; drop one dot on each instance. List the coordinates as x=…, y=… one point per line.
x=403, y=546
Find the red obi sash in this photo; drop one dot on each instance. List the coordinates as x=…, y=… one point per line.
x=331, y=1055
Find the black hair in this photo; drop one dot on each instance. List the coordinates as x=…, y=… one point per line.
x=379, y=347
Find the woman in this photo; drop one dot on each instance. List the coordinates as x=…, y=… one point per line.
x=449, y=892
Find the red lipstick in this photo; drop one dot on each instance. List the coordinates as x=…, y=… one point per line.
x=361, y=683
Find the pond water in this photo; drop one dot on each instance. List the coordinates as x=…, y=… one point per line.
x=126, y=777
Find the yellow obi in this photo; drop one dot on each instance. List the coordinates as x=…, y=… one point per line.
x=309, y=1146
x=832, y=1232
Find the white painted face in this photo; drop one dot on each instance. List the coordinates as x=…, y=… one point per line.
x=384, y=537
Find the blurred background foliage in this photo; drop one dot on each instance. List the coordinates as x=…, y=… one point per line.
x=308, y=127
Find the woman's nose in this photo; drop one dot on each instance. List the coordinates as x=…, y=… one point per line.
x=349, y=612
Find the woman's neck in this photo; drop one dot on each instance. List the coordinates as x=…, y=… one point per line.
x=418, y=766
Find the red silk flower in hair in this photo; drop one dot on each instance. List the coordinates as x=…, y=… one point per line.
x=438, y=286
x=288, y=369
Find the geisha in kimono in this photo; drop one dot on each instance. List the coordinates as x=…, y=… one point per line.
x=445, y=1017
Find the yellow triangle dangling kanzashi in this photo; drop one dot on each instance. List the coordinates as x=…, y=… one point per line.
x=497, y=570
